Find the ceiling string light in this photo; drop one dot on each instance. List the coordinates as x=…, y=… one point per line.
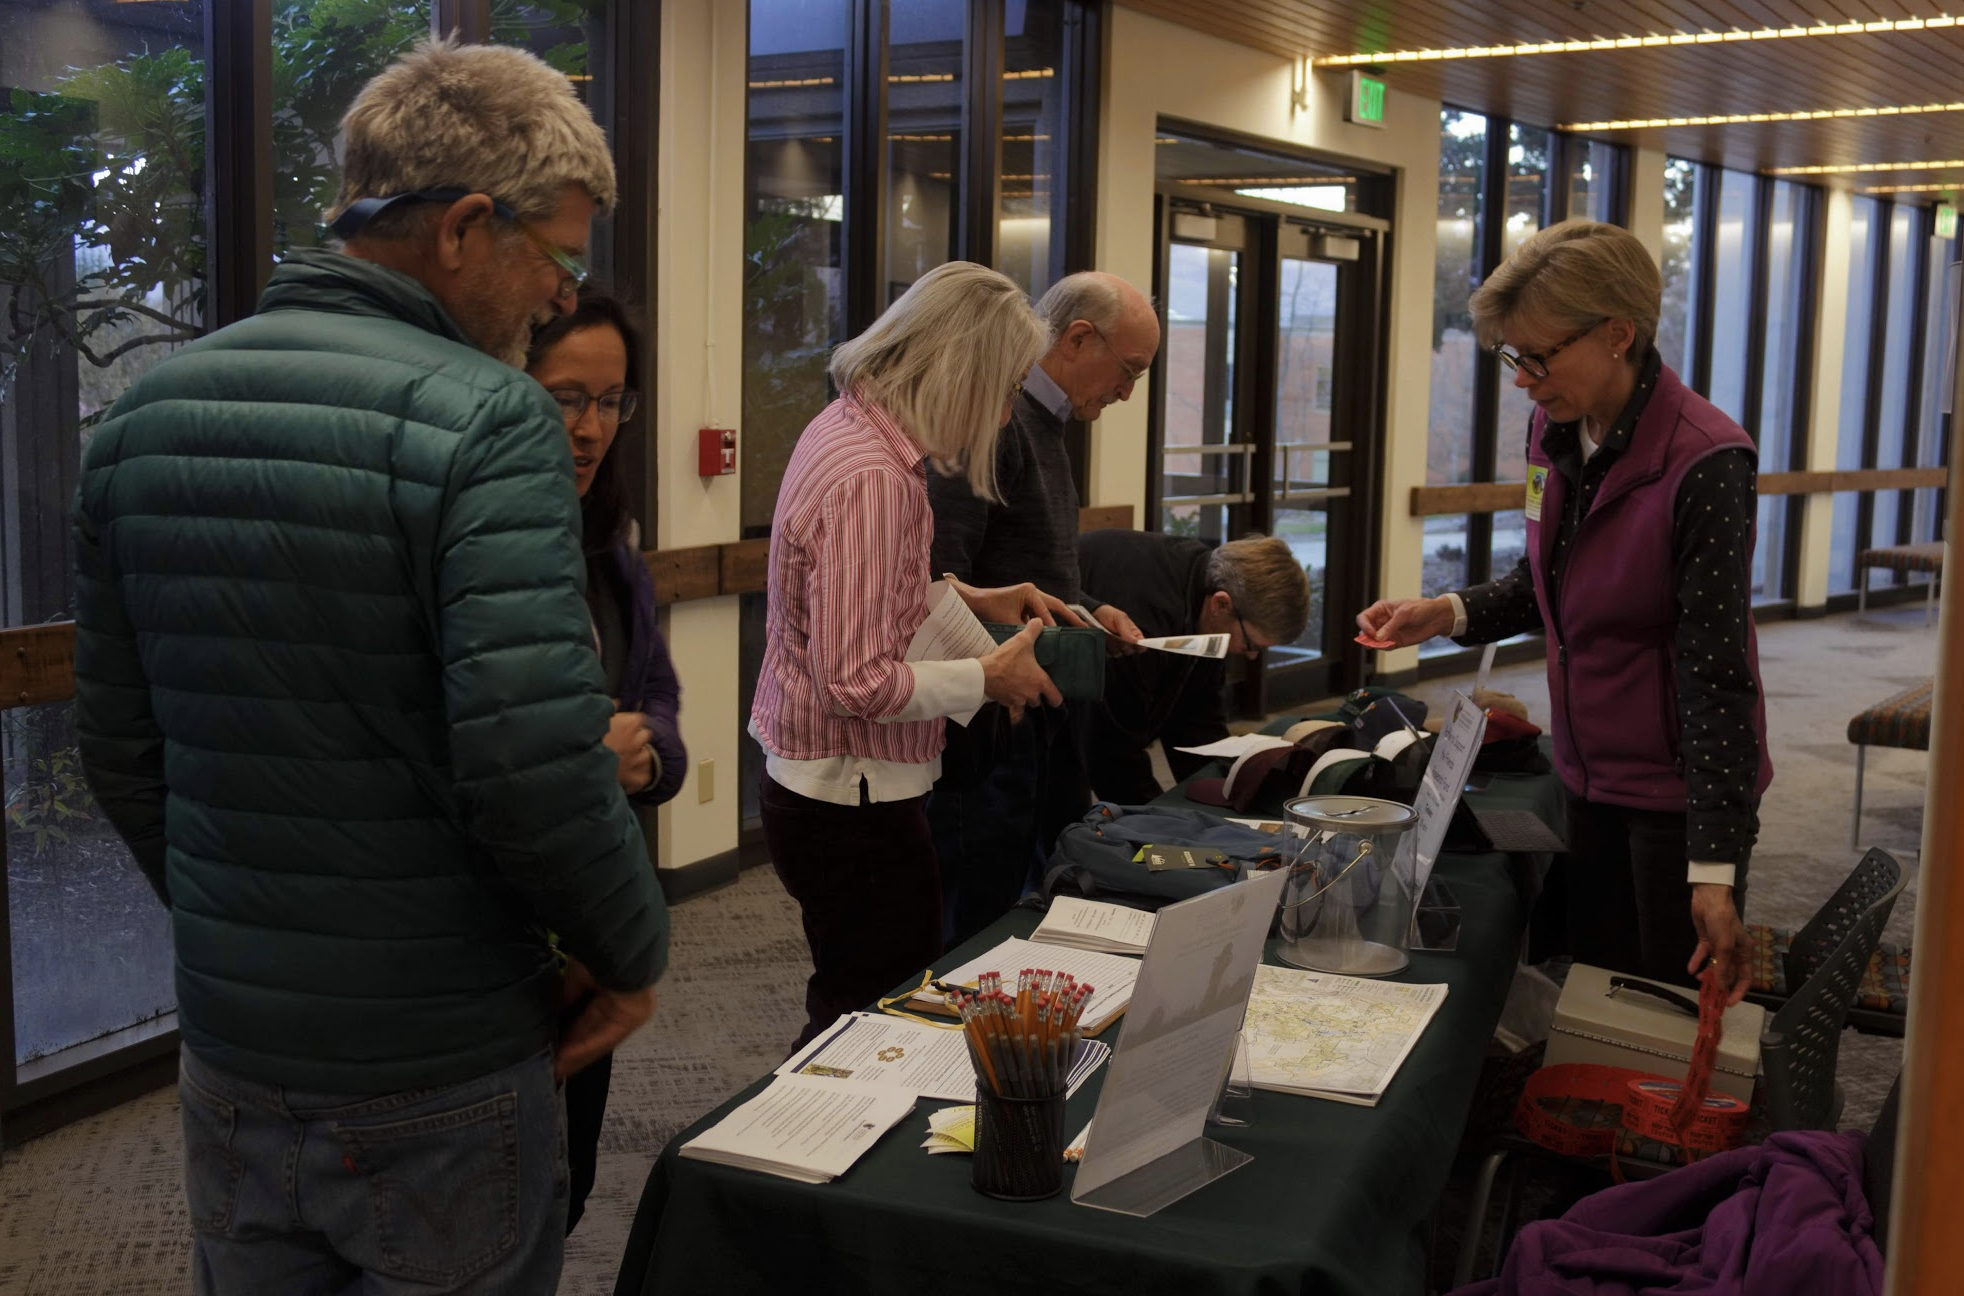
x=1746, y=119
x=1880, y=28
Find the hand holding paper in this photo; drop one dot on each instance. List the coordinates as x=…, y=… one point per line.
x=1400, y=623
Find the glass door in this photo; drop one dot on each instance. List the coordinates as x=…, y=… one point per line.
x=1265, y=414
x=1312, y=448
x=1206, y=449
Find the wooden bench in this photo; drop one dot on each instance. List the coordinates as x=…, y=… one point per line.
x=1901, y=721
x=1901, y=559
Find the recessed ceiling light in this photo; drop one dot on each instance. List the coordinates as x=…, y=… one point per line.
x=1883, y=27
x=1743, y=119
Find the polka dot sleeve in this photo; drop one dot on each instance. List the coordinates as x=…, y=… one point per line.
x=1712, y=544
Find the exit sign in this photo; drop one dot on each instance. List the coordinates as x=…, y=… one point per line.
x=1946, y=221
x=1366, y=103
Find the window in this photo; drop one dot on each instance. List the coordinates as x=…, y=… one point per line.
x=1731, y=276
x=103, y=270
x=924, y=138
x=1897, y=346
x=1736, y=323
x=323, y=53
x=1500, y=182
x=1678, y=318
x=1455, y=352
x=1939, y=351
x=833, y=235
x=1784, y=344
x=1594, y=178
x=793, y=270
x=1029, y=243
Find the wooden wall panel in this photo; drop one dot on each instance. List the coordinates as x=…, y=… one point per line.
x=682, y=574
x=37, y=664
x=1107, y=517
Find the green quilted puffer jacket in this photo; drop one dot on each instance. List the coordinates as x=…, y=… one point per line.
x=335, y=685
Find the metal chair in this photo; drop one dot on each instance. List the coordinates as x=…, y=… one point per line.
x=1799, y=1046
x=1876, y=876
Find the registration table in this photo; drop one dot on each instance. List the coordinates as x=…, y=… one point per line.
x=1336, y=1200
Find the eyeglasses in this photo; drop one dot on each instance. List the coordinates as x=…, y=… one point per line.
x=615, y=407
x=1132, y=375
x=1535, y=365
x=1249, y=648
x=575, y=271
x=362, y=213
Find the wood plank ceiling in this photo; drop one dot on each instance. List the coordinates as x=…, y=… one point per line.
x=1797, y=74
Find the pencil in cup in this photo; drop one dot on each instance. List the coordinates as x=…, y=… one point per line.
x=1022, y=1046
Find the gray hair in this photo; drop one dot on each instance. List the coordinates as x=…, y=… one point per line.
x=483, y=118
x=1570, y=276
x=942, y=361
x=1087, y=295
x=1268, y=586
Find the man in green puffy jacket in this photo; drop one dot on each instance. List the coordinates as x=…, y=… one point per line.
x=335, y=687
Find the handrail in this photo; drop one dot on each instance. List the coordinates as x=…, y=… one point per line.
x=37, y=663
x=1507, y=496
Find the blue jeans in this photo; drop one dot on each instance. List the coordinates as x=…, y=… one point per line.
x=454, y=1189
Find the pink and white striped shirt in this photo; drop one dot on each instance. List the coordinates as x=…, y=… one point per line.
x=849, y=582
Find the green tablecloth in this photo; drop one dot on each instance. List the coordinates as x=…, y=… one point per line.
x=1336, y=1200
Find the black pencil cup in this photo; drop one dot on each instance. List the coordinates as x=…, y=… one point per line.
x=1019, y=1146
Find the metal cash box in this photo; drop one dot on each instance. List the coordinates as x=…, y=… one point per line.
x=1633, y=1029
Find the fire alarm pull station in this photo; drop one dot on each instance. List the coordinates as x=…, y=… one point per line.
x=716, y=452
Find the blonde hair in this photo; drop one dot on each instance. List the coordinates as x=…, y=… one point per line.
x=1569, y=276
x=942, y=361
x=483, y=118
x=1268, y=586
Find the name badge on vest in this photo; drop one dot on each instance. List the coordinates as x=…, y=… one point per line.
x=1537, y=484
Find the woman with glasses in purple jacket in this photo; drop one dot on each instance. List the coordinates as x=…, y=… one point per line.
x=588, y=360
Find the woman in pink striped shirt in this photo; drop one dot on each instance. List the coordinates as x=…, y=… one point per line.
x=852, y=732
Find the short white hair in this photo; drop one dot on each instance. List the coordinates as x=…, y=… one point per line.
x=1087, y=295
x=482, y=118
x=943, y=360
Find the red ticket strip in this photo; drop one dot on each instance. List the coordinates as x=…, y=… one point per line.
x=1576, y=1110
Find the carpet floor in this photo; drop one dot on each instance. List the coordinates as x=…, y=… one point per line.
x=94, y=1209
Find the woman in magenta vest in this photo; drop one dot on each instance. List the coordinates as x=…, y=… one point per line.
x=1640, y=512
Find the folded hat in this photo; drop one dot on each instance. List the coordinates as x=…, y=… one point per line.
x=1242, y=786
x=1502, y=725
x=1302, y=729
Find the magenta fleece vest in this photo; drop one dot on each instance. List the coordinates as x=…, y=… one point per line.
x=1612, y=648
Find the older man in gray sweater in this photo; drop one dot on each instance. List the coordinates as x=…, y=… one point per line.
x=1006, y=791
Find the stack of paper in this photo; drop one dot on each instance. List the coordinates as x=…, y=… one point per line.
x=952, y=1129
x=1330, y=1036
x=1094, y=925
x=803, y=1128
x=1110, y=976
x=892, y=1052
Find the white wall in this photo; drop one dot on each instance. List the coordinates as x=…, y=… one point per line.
x=1155, y=68
x=698, y=383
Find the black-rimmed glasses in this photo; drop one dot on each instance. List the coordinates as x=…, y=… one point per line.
x=1249, y=648
x=1535, y=363
x=615, y=407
